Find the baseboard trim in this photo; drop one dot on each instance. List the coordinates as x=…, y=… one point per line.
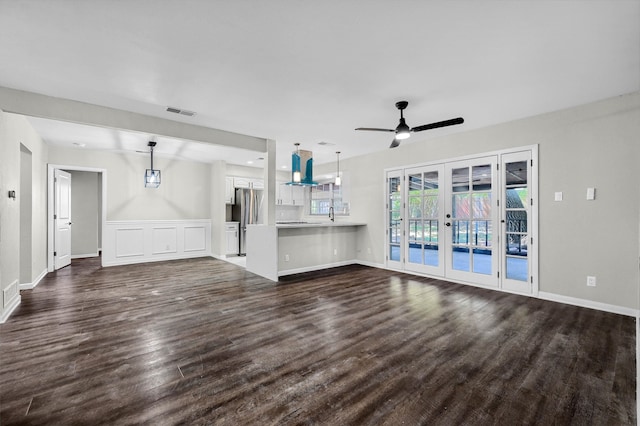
x=316, y=267
x=370, y=264
x=31, y=286
x=125, y=261
x=583, y=303
x=552, y=297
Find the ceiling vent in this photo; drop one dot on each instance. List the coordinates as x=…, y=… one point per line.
x=181, y=111
x=323, y=143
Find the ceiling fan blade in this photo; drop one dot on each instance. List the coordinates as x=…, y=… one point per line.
x=374, y=129
x=395, y=143
x=445, y=123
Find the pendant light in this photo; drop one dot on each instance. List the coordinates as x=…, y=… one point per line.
x=338, y=178
x=151, y=176
x=296, y=174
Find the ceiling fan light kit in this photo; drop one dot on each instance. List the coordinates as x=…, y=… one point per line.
x=403, y=131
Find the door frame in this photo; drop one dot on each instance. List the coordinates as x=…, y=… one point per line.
x=51, y=205
x=534, y=266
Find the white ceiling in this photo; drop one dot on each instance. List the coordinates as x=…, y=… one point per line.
x=310, y=72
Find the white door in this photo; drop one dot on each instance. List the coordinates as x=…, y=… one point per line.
x=517, y=222
x=394, y=215
x=424, y=229
x=62, y=219
x=471, y=219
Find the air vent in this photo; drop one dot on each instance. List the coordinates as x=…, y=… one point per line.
x=323, y=143
x=181, y=111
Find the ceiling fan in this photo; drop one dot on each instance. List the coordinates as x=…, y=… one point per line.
x=403, y=131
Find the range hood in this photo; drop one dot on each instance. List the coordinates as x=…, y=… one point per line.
x=302, y=168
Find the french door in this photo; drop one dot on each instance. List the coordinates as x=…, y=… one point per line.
x=424, y=222
x=468, y=221
x=471, y=217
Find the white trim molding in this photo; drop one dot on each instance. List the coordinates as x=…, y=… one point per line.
x=139, y=241
x=32, y=285
x=316, y=267
x=584, y=303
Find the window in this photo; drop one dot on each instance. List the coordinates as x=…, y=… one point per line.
x=325, y=196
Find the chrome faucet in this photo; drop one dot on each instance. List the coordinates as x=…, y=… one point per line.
x=332, y=216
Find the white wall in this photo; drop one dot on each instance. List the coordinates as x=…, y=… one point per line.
x=184, y=192
x=595, y=145
x=14, y=130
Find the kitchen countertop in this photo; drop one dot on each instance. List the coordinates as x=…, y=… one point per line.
x=319, y=224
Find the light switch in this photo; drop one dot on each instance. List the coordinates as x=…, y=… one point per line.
x=558, y=196
x=591, y=193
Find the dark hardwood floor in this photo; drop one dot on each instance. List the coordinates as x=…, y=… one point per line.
x=202, y=341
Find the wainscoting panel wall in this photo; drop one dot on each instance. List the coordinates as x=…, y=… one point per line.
x=10, y=293
x=128, y=242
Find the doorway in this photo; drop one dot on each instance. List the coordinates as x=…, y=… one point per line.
x=469, y=220
x=92, y=227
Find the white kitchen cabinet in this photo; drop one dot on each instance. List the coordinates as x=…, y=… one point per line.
x=232, y=236
x=229, y=191
x=290, y=195
x=297, y=195
x=243, y=182
x=284, y=195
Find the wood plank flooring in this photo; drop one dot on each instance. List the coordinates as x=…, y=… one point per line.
x=202, y=341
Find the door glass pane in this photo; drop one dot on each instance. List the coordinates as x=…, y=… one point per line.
x=482, y=177
x=431, y=255
x=415, y=253
x=415, y=183
x=517, y=268
x=461, y=206
x=394, y=253
x=481, y=233
x=461, y=259
x=517, y=244
x=516, y=173
x=460, y=179
x=482, y=261
x=482, y=205
x=431, y=182
x=431, y=232
x=415, y=230
x=415, y=207
x=517, y=197
x=460, y=229
x=430, y=206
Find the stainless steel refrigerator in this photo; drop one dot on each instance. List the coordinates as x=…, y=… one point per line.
x=248, y=211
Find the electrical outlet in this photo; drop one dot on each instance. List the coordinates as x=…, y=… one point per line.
x=335, y=252
x=286, y=257
x=368, y=250
x=591, y=281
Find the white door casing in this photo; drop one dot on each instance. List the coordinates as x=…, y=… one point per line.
x=62, y=219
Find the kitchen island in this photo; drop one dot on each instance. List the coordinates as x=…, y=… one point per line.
x=291, y=248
